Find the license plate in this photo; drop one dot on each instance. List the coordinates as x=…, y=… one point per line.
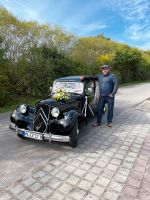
x=33, y=135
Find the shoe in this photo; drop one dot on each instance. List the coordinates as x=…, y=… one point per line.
x=96, y=124
x=109, y=125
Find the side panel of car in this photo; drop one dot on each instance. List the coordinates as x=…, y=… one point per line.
x=72, y=105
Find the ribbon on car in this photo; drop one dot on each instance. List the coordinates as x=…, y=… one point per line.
x=84, y=110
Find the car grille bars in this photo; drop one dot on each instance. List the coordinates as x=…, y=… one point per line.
x=41, y=117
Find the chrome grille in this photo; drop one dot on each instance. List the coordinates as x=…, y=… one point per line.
x=41, y=117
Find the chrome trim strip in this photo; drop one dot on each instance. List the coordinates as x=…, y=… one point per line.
x=42, y=118
x=48, y=136
x=60, y=138
x=37, y=115
x=40, y=113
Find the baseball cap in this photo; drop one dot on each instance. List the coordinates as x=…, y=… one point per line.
x=105, y=66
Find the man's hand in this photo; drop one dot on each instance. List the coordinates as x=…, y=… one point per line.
x=81, y=78
x=111, y=95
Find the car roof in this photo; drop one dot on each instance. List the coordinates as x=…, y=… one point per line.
x=69, y=78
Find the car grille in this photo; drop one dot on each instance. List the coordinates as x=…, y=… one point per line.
x=41, y=117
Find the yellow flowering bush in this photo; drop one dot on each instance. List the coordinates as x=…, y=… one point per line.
x=60, y=95
x=103, y=59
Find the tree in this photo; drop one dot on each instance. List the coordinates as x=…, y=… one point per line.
x=32, y=55
x=2, y=51
x=104, y=59
x=4, y=95
x=127, y=61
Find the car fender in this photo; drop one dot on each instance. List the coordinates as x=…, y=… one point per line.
x=73, y=115
x=20, y=119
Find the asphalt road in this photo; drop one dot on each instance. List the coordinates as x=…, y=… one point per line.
x=18, y=157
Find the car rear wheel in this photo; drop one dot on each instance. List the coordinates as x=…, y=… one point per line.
x=74, y=133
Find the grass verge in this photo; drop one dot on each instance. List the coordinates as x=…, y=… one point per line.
x=19, y=100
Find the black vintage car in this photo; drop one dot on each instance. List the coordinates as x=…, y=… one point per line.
x=58, y=120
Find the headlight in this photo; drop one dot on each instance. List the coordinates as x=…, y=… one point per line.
x=14, y=114
x=23, y=108
x=55, y=112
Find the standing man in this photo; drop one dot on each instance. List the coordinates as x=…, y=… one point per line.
x=108, y=86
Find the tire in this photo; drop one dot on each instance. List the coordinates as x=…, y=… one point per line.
x=74, y=133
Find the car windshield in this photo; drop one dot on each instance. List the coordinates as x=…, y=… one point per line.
x=71, y=87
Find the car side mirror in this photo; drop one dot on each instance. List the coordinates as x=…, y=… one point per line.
x=50, y=88
x=88, y=91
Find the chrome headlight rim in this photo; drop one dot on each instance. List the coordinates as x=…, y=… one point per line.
x=23, y=108
x=14, y=113
x=55, y=112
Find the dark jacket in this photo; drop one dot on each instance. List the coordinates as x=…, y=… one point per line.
x=108, y=84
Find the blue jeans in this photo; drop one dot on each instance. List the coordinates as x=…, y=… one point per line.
x=101, y=104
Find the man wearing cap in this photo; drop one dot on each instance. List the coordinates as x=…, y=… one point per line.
x=108, y=86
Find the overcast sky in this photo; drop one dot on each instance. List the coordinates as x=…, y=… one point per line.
x=122, y=20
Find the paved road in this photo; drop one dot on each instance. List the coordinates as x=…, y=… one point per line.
x=18, y=158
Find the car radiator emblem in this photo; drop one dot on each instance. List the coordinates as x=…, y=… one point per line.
x=41, y=118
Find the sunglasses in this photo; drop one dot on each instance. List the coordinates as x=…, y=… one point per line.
x=105, y=68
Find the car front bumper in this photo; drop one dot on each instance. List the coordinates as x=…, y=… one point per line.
x=42, y=136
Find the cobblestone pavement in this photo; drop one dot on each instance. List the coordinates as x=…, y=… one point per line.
x=109, y=163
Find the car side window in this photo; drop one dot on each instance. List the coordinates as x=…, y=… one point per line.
x=90, y=88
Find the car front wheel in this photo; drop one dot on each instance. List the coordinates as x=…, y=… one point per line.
x=74, y=133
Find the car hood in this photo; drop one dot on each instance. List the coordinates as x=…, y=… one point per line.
x=53, y=103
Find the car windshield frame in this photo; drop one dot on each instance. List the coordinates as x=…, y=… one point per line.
x=77, y=88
